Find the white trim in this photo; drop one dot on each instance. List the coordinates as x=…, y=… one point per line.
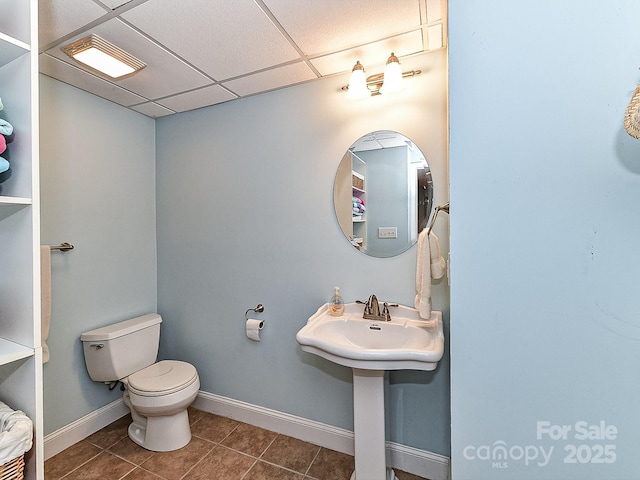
x=76, y=431
x=413, y=460
x=418, y=462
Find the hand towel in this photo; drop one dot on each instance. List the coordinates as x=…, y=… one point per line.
x=45, y=296
x=438, y=263
x=423, y=276
x=430, y=264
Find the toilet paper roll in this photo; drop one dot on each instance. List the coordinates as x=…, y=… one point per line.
x=253, y=329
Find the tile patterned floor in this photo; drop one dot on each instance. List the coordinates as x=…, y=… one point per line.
x=220, y=449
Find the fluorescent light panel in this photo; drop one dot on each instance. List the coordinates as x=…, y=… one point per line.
x=103, y=57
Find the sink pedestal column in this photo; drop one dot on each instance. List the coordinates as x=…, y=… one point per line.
x=368, y=426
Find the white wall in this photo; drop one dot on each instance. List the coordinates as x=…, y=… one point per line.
x=545, y=188
x=245, y=216
x=97, y=169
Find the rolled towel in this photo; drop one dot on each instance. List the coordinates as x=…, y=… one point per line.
x=3, y=143
x=5, y=127
x=4, y=165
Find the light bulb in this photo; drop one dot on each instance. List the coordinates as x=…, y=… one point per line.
x=392, y=76
x=358, y=83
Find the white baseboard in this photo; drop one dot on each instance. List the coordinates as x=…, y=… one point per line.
x=418, y=462
x=72, y=433
x=409, y=459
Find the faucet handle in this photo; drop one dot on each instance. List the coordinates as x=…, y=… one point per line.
x=367, y=306
x=385, y=310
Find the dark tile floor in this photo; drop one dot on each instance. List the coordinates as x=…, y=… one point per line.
x=220, y=449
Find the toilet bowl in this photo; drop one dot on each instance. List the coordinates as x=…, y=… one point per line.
x=157, y=393
x=158, y=397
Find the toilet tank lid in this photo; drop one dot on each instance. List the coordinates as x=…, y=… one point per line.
x=121, y=328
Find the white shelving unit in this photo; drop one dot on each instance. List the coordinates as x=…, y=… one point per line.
x=359, y=190
x=20, y=343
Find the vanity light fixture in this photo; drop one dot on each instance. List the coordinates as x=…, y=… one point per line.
x=389, y=81
x=103, y=57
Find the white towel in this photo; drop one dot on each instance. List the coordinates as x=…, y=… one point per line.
x=16, y=436
x=430, y=265
x=438, y=263
x=45, y=297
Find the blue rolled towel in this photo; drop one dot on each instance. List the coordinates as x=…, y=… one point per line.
x=4, y=165
x=5, y=127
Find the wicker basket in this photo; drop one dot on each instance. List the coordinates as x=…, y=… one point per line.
x=632, y=115
x=16, y=439
x=13, y=469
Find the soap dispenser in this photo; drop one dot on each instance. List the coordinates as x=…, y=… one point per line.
x=336, y=304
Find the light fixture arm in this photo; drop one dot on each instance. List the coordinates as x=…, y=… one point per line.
x=376, y=79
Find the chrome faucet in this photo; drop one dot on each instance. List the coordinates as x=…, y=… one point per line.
x=372, y=309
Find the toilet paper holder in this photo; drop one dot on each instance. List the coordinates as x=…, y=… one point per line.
x=259, y=309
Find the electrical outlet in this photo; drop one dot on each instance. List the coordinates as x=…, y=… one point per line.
x=387, y=232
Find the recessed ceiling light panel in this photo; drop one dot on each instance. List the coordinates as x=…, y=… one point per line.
x=100, y=56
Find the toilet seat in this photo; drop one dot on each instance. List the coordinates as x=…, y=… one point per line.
x=162, y=378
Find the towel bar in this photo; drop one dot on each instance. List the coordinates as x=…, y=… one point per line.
x=439, y=208
x=63, y=247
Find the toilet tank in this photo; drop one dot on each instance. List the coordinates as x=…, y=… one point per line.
x=118, y=350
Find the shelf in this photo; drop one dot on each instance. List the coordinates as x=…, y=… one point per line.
x=10, y=49
x=10, y=205
x=4, y=200
x=11, y=351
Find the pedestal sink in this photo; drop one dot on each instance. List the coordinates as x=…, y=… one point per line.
x=370, y=347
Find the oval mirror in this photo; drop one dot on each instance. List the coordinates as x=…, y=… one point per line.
x=383, y=193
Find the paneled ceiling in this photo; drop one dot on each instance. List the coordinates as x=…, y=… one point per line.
x=204, y=52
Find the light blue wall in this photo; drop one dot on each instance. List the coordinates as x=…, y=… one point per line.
x=97, y=168
x=245, y=216
x=545, y=189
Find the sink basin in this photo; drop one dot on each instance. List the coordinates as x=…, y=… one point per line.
x=406, y=342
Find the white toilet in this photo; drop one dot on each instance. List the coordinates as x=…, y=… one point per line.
x=157, y=394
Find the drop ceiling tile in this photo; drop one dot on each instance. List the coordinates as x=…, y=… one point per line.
x=86, y=81
x=224, y=39
x=434, y=10
x=434, y=34
x=152, y=109
x=330, y=25
x=271, y=79
x=58, y=18
x=372, y=56
x=197, y=98
x=164, y=74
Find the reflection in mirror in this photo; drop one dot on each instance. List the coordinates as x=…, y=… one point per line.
x=383, y=193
